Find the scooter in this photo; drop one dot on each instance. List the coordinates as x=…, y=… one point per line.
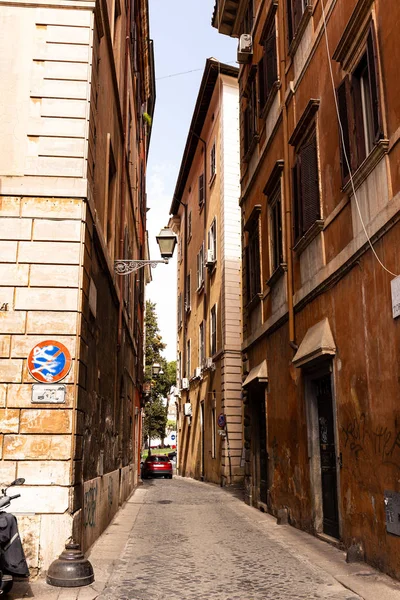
x=12, y=557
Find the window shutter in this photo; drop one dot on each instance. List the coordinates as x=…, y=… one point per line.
x=373, y=70
x=297, y=14
x=297, y=214
x=289, y=20
x=201, y=189
x=270, y=62
x=246, y=127
x=262, y=96
x=247, y=266
x=309, y=184
x=343, y=95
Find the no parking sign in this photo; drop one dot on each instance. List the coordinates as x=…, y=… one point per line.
x=221, y=420
x=49, y=361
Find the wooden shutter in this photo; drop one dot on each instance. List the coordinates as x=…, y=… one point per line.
x=297, y=13
x=372, y=57
x=201, y=189
x=289, y=20
x=309, y=184
x=270, y=59
x=262, y=96
x=343, y=94
x=297, y=213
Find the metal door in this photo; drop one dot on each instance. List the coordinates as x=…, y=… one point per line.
x=328, y=456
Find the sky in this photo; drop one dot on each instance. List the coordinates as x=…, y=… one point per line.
x=183, y=40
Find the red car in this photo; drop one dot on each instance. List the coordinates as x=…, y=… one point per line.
x=157, y=466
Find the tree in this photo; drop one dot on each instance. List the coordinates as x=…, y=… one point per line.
x=155, y=420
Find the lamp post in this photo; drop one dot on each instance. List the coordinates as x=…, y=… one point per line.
x=166, y=240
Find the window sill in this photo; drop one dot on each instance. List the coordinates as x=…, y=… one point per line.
x=308, y=237
x=367, y=166
x=212, y=179
x=251, y=148
x=277, y=274
x=271, y=96
x=253, y=302
x=200, y=288
x=306, y=16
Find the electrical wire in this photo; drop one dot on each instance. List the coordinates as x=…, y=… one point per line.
x=191, y=71
x=344, y=146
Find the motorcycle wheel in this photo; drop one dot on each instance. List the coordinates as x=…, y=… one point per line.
x=6, y=584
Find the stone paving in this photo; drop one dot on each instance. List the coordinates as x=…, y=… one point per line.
x=194, y=541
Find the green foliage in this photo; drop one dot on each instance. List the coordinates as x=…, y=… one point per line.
x=155, y=420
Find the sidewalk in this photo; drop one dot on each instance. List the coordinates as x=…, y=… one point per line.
x=106, y=554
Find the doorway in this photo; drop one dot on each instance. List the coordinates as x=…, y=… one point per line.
x=322, y=451
x=259, y=447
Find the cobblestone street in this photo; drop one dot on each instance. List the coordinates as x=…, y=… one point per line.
x=195, y=541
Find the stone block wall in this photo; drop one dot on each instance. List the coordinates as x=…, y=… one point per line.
x=40, y=292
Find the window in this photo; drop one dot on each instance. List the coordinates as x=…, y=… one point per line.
x=189, y=226
x=295, y=10
x=250, y=116
x=188, y=305
x=268, y=65
x=200, y=267
x=188, y=358
x=275, y=220
x=202, y=328
x=213, y=432
x=248, y=17
x=179, y=369
x=212, y=163
x=359, y=109
x=201, y=190
x=212, y=242
x=179, y=311
x=252, y=255
x=213, y=330
x=306, y=187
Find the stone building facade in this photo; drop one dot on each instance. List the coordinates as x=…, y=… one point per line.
x=75, y=112
x=320, y=312
x=205, y=214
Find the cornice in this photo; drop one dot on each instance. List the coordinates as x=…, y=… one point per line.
x=351, y=31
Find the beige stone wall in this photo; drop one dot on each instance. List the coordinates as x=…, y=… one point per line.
x=40, y=276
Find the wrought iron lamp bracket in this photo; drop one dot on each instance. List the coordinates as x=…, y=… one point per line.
x=125, y=267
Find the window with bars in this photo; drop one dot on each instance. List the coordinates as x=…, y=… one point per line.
x=268, y=65
x=202, y=355
x=188, y=298
x=212, y=241
x=201, y=190
x=250, y=116
x=358, y=98
x=252, y=255
x=306, y=198
x=189, y=226
x=200, y=268
x=295, y=10
x=275, y=220
x=188, y=358
x=179, y=311
x=213, y=330
x=212, y=163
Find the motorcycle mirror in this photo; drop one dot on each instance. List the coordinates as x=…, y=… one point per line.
x=19, y=481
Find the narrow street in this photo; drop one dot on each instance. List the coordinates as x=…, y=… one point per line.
x=192, y=540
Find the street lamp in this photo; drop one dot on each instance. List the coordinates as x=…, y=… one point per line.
x=166, y=240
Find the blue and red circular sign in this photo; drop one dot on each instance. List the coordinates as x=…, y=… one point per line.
x=49, y=361
x=221, y=420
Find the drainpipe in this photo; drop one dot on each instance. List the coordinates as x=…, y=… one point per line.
x=286, y=186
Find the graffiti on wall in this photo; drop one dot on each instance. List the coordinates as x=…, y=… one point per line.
x=90, y=503
x=366, y=441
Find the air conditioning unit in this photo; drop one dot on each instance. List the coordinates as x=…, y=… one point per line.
x=185, y=383
x=245, y=48
x=210, y=258
x=197, y=373
x=187, y=409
